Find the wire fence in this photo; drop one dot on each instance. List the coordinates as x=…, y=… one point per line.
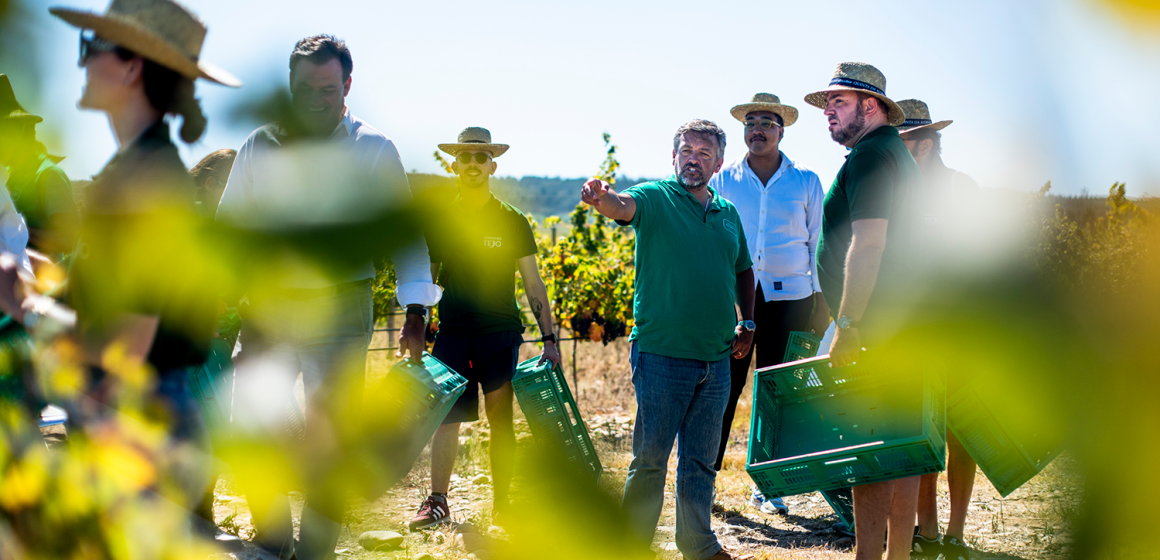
x=396, y=311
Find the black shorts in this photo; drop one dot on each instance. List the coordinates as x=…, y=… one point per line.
x=487, y=360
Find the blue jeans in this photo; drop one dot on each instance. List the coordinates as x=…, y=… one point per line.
x=683, y=400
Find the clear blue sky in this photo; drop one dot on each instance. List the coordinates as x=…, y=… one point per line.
x=1038, y=89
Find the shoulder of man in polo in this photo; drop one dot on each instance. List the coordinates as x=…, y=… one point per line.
x=360, y=172
x=696, y=157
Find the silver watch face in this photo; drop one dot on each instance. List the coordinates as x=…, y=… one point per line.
x=843, y=322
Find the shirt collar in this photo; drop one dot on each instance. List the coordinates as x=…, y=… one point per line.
x=672, y=183
x=346, y=124
x=786, y=163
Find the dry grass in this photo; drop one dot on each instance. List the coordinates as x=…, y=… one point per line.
x=1031, y=523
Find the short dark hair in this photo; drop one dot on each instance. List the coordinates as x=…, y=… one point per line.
x=881, y=104
x=702, y=126
x=934, y=136
x=321, y=49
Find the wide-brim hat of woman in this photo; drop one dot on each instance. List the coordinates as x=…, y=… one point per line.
x=159, y=30
x=765, y=102
x=475, y=139
x=861, y=78
x=918, y=117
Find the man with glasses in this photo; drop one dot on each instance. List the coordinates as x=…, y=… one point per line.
x=477, y=245
x=780, y=204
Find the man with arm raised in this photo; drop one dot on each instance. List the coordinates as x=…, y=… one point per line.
x=692, y=268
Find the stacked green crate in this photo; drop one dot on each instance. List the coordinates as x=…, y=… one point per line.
x=816, y=427
x=801, y=346
x=552, y=415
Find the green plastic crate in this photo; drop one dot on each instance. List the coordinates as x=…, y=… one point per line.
x=1007, y=451
x=212, y=384
x=842, y=502
x=817, y=428
x=801, y=345
x=552, y=415
x=411, y=403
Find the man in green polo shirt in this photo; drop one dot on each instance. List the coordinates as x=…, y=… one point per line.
x=477, y=245
x=40, y=190
x=692, y=268
x=867, y=230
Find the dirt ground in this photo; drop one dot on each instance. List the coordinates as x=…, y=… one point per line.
x=1030, y=523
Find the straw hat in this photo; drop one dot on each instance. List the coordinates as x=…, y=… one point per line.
x=862, y=78
x=161, y=30
x=9, y=107
x=765, y=102
x=475, y=139
x=918, y=116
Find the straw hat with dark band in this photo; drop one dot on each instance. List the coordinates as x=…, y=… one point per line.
x=862, y=78
x=161, y=30
x=765, y=102
x=10, y=108
x=918, y=117
x=475, y=139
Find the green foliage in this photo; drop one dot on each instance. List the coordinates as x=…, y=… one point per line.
x=443, y=162
x=1102, y=254
x=590, y=272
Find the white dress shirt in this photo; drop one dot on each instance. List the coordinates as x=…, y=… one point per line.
x=782, y=220
x=354, y=174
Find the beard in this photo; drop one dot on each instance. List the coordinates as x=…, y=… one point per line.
x=692, y=176
x=852, y=129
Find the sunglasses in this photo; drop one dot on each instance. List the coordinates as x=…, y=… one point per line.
x=479, y=158
x=764, y=124
x=91, y=45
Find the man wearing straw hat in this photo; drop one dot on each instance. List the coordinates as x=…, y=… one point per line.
x=40, y=190
x=861, y=262
x=780, y=204
x=319, y=164
x=693, y=267
x=944, y=193
x=477, y=245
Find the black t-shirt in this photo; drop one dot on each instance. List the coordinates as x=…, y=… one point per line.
x=879, y=180
x=140, y=253
x=478, y=252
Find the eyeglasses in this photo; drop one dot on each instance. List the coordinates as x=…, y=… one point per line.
x=92, y=45
x=764, y=124
x=479, y=157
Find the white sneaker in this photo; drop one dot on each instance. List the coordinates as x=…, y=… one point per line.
x=772, y=506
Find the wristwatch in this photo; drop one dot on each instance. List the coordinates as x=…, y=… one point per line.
x=844, y=322
x=417, y=310
x=749, y=326
x=550, y=337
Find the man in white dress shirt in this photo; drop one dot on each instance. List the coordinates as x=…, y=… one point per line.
x=780, y=203
x=322, y=166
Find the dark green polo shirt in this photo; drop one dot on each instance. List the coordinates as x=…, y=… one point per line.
x=687, y=261
x=879, y=180
x=479, y=251
x=40, y=189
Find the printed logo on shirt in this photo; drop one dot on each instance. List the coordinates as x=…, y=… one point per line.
x=492, y=242
x=730, y=226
